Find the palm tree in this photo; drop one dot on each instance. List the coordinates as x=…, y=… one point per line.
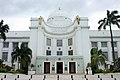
x=16, y=55
x=3, y=29
x=112, y=18
x=97, y=58
x=23, y=55
x=26, y=57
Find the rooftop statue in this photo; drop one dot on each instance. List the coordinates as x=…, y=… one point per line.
x=78, y=19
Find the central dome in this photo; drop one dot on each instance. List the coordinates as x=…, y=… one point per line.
x=59, y=18
x=59, y=12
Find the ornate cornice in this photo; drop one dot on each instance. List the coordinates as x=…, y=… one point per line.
x=62, y=33
x=17, y=37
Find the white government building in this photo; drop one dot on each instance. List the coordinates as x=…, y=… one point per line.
x=60, y=45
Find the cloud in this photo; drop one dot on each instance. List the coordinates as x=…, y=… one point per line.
x=17, y=11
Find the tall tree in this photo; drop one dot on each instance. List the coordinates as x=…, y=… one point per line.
x=112, y=18
x=26, y=57
x=23, y=55
x=97, y=58
x=3, y=29
x=16, y=55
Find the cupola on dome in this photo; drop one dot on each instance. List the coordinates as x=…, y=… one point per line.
x=59, y=12
x=59, y=18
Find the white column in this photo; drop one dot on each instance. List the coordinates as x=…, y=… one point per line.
x=19, y=44
x=78, y=42
x=64, y=47
x=118, y=48
x=9, y=52
x=1, y=47
x=85, y=45
x=33, y=43
x=40, y=42
x=54, y=47
x=74, y=46
x=99, y=45
x=110, y=52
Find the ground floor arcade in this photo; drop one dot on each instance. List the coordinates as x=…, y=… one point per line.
x=59, y=64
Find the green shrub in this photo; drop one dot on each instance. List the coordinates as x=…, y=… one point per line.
x=116, y=70
x=19, y=71
x=98, y=71
x=106, y=71
x=3, y=70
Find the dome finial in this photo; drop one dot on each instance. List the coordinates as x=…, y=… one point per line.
x=59, y=8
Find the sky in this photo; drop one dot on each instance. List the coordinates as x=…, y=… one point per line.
x=17, y=13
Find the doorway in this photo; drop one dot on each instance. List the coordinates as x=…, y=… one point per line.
x=46, y=67
x=59, y=67
x=72, y=67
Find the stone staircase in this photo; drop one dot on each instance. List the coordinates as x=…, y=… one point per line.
x=110, y=76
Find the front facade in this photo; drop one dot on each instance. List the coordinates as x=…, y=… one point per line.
x=60, y=45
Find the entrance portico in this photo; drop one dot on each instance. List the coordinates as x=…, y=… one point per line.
x=59, y=65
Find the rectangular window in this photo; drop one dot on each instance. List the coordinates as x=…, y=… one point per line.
x=15, y=44
x=59, y=52
x=116, y=54
x=70, y=52
x=106, y=54
x=5, y=44
x=59, y=43
x=103, y=44
x=70, y=42
x=53, y=68
x=65, y=68
x=48, y=52
x=25, y=44
x=48, y=42
x=94, y=44
x=5, y=56
x=115, y=44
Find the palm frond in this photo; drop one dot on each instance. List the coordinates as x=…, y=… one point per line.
x=1, y=23
x=93, y=51
x=118, y=20
x=117, y=16
x=98, y=58
x=99, y=52
x=100, y=26
x=114, y=12
x=3, y=35
x=104, y=26
x=102, y=20
x=5, y=28
x=118, y=25
x=108, y=13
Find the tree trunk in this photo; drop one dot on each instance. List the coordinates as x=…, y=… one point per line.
x=18, y=64
x=26, y=69
x=112, y=45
